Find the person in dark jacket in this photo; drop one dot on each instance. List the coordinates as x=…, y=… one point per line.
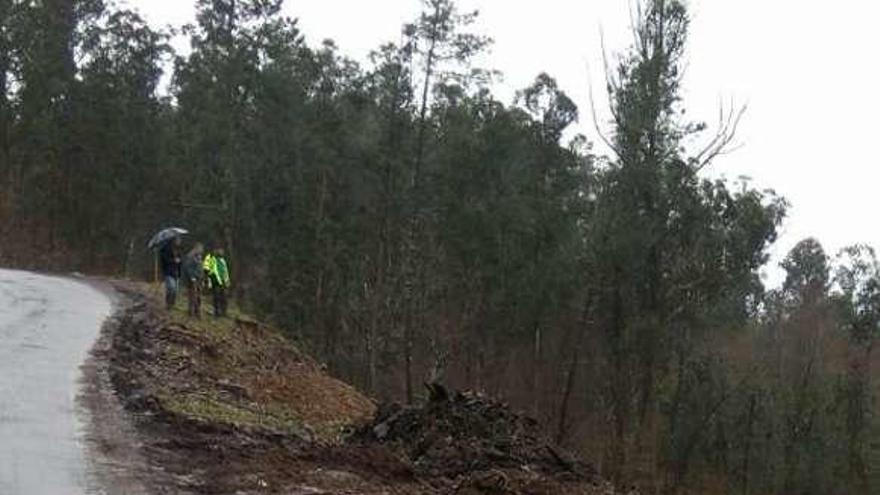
x=192, y=277
x=169, y=263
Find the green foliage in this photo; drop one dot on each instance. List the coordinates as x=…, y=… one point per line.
x=408, y=226
x=672, y=257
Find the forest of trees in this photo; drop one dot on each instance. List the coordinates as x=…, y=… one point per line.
x=405, y=225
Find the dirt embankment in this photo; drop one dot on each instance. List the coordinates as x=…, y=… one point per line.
x=231, y=406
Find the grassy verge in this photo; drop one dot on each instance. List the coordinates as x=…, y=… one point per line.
x=236, y=371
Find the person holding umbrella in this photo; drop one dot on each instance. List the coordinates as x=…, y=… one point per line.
x=169, y=265
x=167, y=242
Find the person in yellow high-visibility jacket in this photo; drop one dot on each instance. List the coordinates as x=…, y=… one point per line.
x=218, y=280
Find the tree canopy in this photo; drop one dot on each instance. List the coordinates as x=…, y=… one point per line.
x=403, y=223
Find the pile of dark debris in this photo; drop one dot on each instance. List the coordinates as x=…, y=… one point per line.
x=480, y=444
x=174, y=374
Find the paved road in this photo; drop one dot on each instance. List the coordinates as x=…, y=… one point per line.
x=47, y=326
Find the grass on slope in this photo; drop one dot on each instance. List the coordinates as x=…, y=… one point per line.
x=236, y=371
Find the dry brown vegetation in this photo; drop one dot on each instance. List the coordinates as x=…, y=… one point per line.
x=229, y=405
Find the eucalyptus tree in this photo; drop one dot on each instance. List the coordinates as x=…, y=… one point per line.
x=438, y=44
x=120, y=131
x=215, y=88
x=667, y=249
x=389, y=84
x=857, y=279
x=6, y=110
x=553, y=191
x=43, y=40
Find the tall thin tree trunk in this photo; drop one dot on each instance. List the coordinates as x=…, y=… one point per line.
x=408, y=361
x=570, y=379
x=536, y=371
x=747, y=455
x=415, y=260
x=6, y=169
x=61, y=24
x=319, y=297
x=371, y=356
x=620, y=390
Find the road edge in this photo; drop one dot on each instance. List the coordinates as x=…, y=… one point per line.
x=115, y=453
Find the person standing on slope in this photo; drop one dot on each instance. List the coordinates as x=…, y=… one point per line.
x=217, y=270
x=193, y=274
x=169, y=262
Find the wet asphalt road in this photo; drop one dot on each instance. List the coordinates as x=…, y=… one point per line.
x=47, y=327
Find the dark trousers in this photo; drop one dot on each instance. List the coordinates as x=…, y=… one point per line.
x=194, y=293
x=219, y=294
x=172, y=284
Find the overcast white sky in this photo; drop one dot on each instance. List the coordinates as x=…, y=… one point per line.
x=808, y=70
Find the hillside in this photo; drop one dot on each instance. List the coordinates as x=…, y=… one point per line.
x=232, y=406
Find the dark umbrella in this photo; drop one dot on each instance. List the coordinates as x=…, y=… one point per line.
x=164, y=236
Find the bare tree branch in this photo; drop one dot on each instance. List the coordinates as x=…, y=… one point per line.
x=722, y=142
x=609, y=84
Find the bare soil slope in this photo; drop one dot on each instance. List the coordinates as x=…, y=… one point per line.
x=231, y=406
